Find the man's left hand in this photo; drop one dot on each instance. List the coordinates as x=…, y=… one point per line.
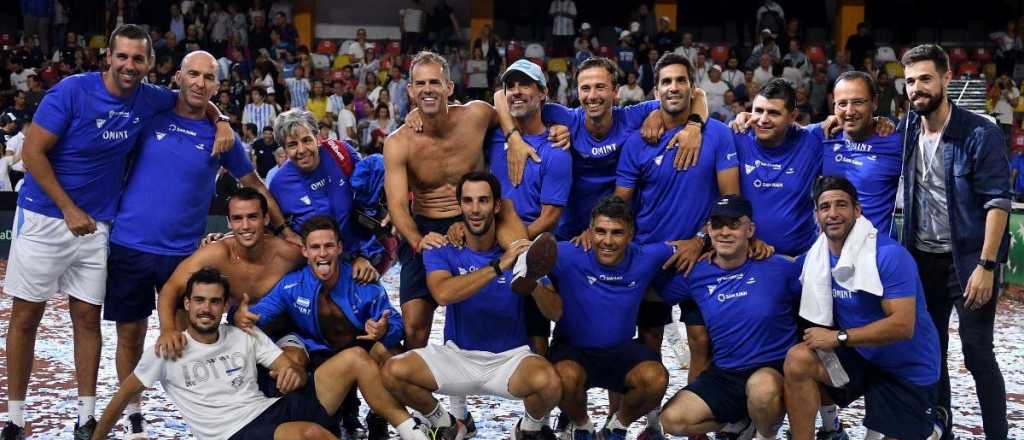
x=376, y=329
x=979, y=288
x=820, y=337
x=224, y=140
x=363, y=272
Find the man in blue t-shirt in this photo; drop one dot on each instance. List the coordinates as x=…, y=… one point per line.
x=155, y=227
x=886, y=343
x=75, y=156
x=749, y=306
x=600, y=290
x=485, y=350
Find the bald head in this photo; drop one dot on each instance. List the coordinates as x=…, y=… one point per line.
x=199, y=58
x=197, y=79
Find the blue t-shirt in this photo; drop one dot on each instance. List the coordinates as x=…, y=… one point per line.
x=593, y=160
x=873, y=167
x=626, y=57
x=915, y=360
x=600, y=303
x=163, y=208
x=671, y=204
x=544, y=183
x=490, y=320
x=778, y=182
x=95, y=132
x=1018, y=164
x=750, y=311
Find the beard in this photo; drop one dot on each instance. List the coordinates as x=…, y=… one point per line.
x=483, y=228
x=204, y=330
x=933, y=103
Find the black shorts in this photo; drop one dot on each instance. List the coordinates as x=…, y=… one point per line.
x=659, y=314
x=893, y=406
x=605, y=367
x=413, y=282
x=133, y=279
x=536, y=324
x=296, y=406
x=725, y=391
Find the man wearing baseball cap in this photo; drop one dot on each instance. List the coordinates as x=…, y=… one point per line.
x=625, y=54
x=749, y=307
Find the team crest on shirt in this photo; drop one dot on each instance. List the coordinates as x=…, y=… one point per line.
x=591, y=280
x=160, y=135
x=749, y=168
x=751, y=280
x=100, y=122
x=462, y=271
x=305, y=199
x=200, y=146
x=657, y=160
x=711, y=289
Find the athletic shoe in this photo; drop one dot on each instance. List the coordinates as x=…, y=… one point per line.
x=613, y=434
x=742, y=430
x=545, y=433
x=12, y=432
x=135, y=428
x=470, y=425
x=351, y=427
x=832, y=435
x=534, y=264
x=84, y=432
x=944, y=421
x=376, y=427
x=649, y=433
x=454, y=432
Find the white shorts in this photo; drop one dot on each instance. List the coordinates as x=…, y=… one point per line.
x=47, y=258
x=461, y=372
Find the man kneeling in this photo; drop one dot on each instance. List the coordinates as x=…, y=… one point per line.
x=485, y=349
x=749, y=309
x=213, y=383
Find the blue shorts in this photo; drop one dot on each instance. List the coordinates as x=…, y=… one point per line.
x=133, y=280
x=725, y=391
x=605, y=367
x=413, y=280
x=892, y=406
x=296, y=406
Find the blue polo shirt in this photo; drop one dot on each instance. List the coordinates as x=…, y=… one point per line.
x=873, y=167
x=544, y=183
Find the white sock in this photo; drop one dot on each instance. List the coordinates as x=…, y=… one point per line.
x=614, y=423
x=439, y=418
x=459, y=408
x=133, y=408
x=86, y=408
x=407, y=429
x=530, y=424
x=829, y=418
x=16, y=411
x=873, y=435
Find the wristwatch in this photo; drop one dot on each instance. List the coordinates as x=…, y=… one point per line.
x=696, y=118
x=988, y=265
x=842, y=337
x=223, y=118
x=496, y=265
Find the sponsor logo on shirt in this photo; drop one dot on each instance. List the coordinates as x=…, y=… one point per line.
x=319, y=184
x=178, y=129
x=221, y=367
x=764, y=184
x=844, y=159
x=118, y=135
x=160, y=135
x=603, y=150
x=790, y=171
x=723, y=297
x=290, y=285
x=303, y=305
x=604, y=277
x=733, y=277
x=856, y=146
x=842, y=294
x=463, y=271
x=305, y=199
x=200, y=146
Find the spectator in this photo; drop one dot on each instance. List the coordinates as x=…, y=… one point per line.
x=1008, y=46
x=384, y=99
x=285, y=29
x=819, y=93
x=586, y=35
x=766, y=47
x=886, y=95
x=763, y=73
x=868, y=66
x=379, y=127
x=356, y=49
x=35, y=93
x=177, y=22
x=631, y=93
x=239, y=26
x=583, y=52
x=489, y=48
x=797, y=58
x=443, y=27
x=228, y=107
x=19, y=74
x=793, y=32
x=262, y=79
x=220, y=22
x=372, y=87
x=563, y=14
x=839, y=66
x=410, y=24
x=792, y=75
x=727, y=112
x=861, y=45
x=476, y=68
x=317, y=103
x=746, y=90
x=370, y=65
x=714, y=89
x=647, y=72
x=259, y=111
x=263, y=151
x=249, y=135
x=625, y=54
x=60, y=24
x=732, y=75
x=666, y=39
x=298, y=88
x=259, y=35
x=327, y=130
x=700, y=69
x=66, y=52
x=1004, y=96
x=399, y=95
x=771, y=16
x=805, y=112
x=687, y=49
x=171, y=48
x=279, y=159
x=347, y=121
x=336, y=101
x=361, y=105
x=272, y=101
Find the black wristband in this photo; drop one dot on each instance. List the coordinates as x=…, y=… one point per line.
x=696, y=118
x=496, y=265
x=511, y=132
x=280, y=228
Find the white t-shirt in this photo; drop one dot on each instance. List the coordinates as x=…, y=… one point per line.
x=20, y=80
x=14, y=145
x=1003, y=108
x=214, y=385
x=761, y=76
x=629, y=95
x=715, y=92
x=346, y=119
x=412, y=19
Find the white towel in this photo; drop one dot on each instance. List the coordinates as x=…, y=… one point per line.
x=857, y=269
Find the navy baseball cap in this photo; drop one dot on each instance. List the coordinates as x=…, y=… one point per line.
x=732, y=206
x=528, y=68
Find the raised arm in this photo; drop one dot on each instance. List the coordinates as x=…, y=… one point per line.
x=518, y=149
x=172, y=341
x=545, y=222
x=449, y=289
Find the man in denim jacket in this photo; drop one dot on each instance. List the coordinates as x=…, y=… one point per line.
x=956, y=199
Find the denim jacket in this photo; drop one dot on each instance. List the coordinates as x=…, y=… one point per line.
x=977, y=179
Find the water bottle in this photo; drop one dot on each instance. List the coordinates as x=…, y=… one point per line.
x=836, y=373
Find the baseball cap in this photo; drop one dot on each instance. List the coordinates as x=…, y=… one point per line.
x=634, y=26
x=732, y=206
x=665, y=18
x=767, y=31
x=716, y=67
x=7, y=118
x=528, y=68
x=623, y=34
x=584, y=26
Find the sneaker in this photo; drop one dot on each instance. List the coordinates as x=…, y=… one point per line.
x=470, y=425
x=351, y=427
x=534, y=264
x=376, y=427
x=454, y=432
x=831, y=435
x=545, y=433
x=650, y=433
x=12, y=432
x=84, y=432
x=613, y=434
x=944, y=421
x=135, y=429
x=742, y=430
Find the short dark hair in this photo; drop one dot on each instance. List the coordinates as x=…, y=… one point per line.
x=615, y=208
x=247, y=193
x=479, y=176
x=927, y=52
x=252, y=127
x=603, y=63
x=269, y=128
x=830, y=183
x=318, y=223
x=132, y=32
x=671, y=58
x=856, y=75
x=778, y=88
x=207, y=275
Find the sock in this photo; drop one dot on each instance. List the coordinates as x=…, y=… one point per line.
x=614, y=423
x=86, y=409
x=133, y=408
x=16, y=411
x=530, y=424
x=654, y=420
x=439, y=418
x=459, y=408
x=407, y=429
x=829, y=418
x=872, y=435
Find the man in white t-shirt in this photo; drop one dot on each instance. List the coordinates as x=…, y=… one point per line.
x=714, y=88
x=411, y=25
x=346, y=125
x=213, y=383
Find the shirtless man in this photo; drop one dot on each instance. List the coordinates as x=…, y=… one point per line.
x=252, y=260
x=429, y=163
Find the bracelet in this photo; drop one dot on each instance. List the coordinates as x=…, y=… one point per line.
x=280, y=228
